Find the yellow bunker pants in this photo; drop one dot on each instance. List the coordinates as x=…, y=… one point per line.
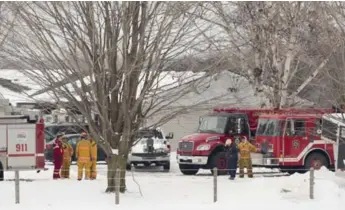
x=246, y=163
x=93, y=169
x=81, y=166
x=66, y=164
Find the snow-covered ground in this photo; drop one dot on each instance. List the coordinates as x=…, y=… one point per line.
x=172, y=191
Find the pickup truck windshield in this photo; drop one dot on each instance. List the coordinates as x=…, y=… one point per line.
x=269, y=127
x=212, y=124
x=149, y=133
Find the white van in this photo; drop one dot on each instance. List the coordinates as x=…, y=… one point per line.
x=151, y=147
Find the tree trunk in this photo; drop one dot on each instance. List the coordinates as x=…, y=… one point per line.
x=111, y=175
x=122, y=167
x=122, y=161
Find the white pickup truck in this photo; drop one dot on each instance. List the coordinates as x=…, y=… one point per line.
x=151, y=147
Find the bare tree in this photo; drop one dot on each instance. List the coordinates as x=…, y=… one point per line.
x=7, y=20
x=270, y=41
x=107, y=59
x=334, y=78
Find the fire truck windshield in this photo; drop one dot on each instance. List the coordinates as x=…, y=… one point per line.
x=269, y=127
x=212, y=124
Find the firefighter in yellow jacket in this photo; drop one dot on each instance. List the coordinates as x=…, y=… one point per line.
x=83, y=155
x=93, y=159
x=67, y=156
x=245, y=148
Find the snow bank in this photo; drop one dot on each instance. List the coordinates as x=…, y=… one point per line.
x=171, y=191
x=326, y=188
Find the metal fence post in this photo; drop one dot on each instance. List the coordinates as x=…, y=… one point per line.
x=117, y=186
x=311, y=183
x=215, y=174
x=16, y=183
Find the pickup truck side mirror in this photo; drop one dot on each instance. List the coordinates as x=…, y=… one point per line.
x=170, y=136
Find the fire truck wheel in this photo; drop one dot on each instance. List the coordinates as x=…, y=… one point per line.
x=187, y=169
x=316, y=160
x=219, y=160
x=1, y=173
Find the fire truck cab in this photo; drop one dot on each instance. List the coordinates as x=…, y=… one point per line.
x=21, y=144
x=204, y=149
x=297, y=142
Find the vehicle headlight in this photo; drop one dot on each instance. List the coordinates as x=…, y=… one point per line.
x=203, y=147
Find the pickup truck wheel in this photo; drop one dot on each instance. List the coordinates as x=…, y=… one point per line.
x=128, y=166
x=219, y=161
x=166, y=167
x=188, y=169
x=1, y=173
x=315, y=160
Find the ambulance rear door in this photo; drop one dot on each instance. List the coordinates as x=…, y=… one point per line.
x=21, y=140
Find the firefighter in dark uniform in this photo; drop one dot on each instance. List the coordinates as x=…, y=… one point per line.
x=231, y=153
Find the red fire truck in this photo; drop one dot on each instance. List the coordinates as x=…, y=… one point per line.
x=297, y=142
x=21, y=144
x=205, y=148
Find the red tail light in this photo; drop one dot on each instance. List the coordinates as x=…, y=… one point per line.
x=169, y=148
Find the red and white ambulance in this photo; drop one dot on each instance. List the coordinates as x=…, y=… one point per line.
x=22, y=144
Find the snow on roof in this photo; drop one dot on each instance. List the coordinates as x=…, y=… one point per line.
x=17, y=77
x=166, y=81
x=223, y=89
